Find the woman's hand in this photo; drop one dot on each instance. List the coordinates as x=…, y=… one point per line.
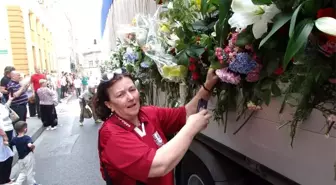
x=204, y=92
x=199, y=121
x=10, y=97
x=211, y=79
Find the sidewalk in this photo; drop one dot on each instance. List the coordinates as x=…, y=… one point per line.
x=35, y=129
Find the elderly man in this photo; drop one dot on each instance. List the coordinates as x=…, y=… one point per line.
x=19, y=103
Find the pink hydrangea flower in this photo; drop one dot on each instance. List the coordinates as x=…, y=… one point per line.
x=227, y=50
x=219, y=49
x=227, y=76
x=234, y=38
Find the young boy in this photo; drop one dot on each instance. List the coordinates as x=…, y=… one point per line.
x=24, y=146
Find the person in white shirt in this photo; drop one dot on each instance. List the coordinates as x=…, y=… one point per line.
x=78, y=86
x=6, y=134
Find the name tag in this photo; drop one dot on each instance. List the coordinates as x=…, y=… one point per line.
x=157, y=138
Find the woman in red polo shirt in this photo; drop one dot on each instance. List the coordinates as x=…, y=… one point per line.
x=132, y=145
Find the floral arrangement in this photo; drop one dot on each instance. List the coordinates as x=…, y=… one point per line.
x=259, y=48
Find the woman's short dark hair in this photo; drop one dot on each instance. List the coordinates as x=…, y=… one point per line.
x=101, y=110
x=8, y=69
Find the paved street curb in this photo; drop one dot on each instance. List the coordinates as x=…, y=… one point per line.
x=36, y=134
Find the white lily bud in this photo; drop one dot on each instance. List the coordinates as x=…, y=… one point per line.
x=326, y=25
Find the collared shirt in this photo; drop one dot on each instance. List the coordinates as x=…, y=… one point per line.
x=15, y=86
x=127, y=156
x=77, y=83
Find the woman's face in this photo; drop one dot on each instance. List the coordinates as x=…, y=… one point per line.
x=124, y=99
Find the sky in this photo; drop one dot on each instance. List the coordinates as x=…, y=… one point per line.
x=85, y=18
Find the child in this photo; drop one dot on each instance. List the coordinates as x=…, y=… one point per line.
x=24, y=146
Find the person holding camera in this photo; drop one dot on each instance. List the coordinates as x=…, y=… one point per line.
x=86, y=106
x=133, y=148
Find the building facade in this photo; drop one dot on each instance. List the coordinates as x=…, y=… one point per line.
x=26, y=38
x=91, y=64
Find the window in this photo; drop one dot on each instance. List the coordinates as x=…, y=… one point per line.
x=90, y=63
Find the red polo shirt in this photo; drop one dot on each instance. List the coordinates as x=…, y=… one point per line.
x=128, y=156
x=35, y=79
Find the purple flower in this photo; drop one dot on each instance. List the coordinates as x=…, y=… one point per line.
x=144, y=65
x=243, y=64
x=132, y=57
x=227, y=76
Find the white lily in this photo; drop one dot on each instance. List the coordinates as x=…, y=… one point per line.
x=170, y=5
x=326, y=25
x=173, y=39
x=246, y=13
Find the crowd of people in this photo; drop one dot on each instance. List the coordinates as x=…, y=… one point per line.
x=39, y=93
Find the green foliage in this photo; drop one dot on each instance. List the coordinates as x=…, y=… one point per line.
x=293, y=46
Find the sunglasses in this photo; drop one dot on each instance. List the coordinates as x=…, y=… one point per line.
x=111, y=75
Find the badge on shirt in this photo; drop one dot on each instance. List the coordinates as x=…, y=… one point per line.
x=157, y=138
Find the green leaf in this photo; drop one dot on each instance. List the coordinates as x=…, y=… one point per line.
x=214, y=2
x=129, y=68
x=262, y=2
x=200, y=25
x=267, y=96
x=196, y=50
x=311, y=7
x=244, y=38
x=279, y=20
x=222, y=27
x=276, y=90
x=204, y=7
x=272, y=65
x=180, y=33
x=266, y=84
x=182, y=58
x=299, y=38
x=180, y=45
x=215, y=64
x=293, y=20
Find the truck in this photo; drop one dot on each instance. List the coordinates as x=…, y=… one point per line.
x=260, y=153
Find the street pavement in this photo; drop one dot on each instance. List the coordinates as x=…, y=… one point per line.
x=68, y=155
